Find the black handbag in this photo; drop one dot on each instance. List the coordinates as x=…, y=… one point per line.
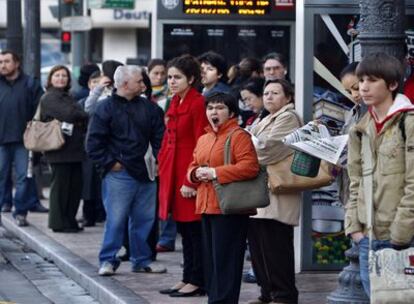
x=240, y=196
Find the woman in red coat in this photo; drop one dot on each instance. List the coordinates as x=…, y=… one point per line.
x=185, y=120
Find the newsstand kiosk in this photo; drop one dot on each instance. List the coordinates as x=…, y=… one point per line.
x=326, y=41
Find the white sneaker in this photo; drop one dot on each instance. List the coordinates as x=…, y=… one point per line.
x=106, y=269
x=154, y=267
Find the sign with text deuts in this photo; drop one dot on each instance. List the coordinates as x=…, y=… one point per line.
x=76, y=23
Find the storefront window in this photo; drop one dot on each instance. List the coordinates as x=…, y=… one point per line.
x=250, y=40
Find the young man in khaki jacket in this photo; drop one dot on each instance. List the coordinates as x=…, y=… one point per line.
x=389, y=126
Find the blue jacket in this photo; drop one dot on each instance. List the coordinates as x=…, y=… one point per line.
x=18, y=102
x=120, y=131
x=220, y=87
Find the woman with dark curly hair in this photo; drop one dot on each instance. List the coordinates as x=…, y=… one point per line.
x=185, y=122
x=66, y=163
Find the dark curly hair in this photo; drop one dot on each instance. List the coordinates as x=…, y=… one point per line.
x=189, y=66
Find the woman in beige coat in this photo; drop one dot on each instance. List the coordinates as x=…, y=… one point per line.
x=270, y=233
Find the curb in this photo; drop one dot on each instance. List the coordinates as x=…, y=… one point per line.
x=105, y=290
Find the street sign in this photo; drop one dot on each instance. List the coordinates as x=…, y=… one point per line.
x=76, y=23
x=114, y=4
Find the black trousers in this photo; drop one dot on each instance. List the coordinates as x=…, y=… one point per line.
x=224, y=243
x=192, y=252
x=65, y=195
x=273, y=258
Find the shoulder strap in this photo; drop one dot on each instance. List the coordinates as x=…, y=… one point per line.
x=401, y=125
x=227, y=149
x=37, y=114
x=31, y=84
x=367, y=177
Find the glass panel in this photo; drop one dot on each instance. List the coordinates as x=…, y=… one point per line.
x=248, y=40
x=332, y=36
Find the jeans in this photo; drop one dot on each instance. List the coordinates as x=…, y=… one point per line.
x=168, y=233
x=363, y=259
x=15, y=154
x=32, y=198
x=127, y=200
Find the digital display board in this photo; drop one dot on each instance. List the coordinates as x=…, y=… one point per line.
x=227, y=7
x=270, y=10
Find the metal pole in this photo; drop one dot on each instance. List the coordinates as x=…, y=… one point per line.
x=14, y=32
x=78, y=46
x=382, y=27
x=32, y=38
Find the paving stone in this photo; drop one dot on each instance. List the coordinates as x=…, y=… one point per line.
x=313, y=287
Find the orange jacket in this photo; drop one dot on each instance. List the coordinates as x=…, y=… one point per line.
x=210, y=152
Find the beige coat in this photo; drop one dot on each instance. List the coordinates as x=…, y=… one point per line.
x=393, y=179
x=270, y=150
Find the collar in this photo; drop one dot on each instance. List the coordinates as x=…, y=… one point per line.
x=401, y=104
x=19, y=76
x=285, y=108
x=121, y=99
x=224, y=128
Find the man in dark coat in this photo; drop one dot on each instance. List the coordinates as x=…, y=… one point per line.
x=120, y=132
x=19, y=96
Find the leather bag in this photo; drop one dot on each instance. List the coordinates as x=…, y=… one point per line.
x=283, y=181
x=241, y=196
x=391, y=272
x=43, y=136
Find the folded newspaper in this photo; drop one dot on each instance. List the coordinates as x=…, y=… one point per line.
x=314, y=139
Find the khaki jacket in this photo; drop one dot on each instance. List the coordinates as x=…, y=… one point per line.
x=270, y=131
x=393, y=179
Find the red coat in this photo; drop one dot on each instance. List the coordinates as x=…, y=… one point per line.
x=185, y=124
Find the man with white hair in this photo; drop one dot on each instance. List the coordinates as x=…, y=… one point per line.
x=119, y=134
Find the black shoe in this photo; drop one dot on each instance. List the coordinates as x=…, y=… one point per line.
x=6, y=208
x=195, y=293
x=87, y=223
x=39, y=208
x=168, y=291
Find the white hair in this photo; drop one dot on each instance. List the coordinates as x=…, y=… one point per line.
x=124, y=72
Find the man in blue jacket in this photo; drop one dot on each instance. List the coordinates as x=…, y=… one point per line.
x=119, y=135
x=19, y=96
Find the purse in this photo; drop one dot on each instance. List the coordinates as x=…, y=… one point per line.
x=240, y=196
x=391, y=272
x=283, y=181
x=43, y=136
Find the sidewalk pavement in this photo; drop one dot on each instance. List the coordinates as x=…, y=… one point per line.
x=76, y=254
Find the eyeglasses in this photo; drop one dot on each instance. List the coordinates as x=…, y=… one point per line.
x=268, y=93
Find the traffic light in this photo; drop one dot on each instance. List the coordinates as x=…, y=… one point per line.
x=65, y=41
